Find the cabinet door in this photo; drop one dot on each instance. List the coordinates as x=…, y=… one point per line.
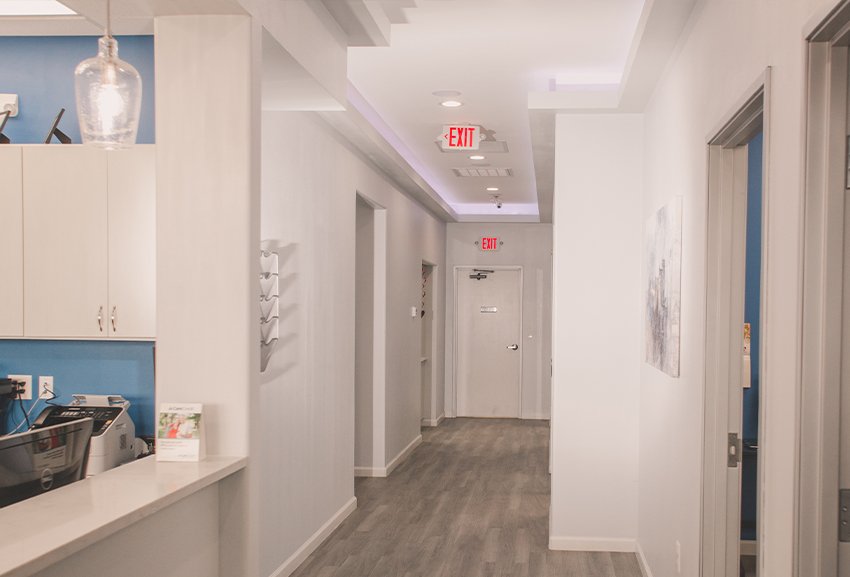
x=132, y=242
x=65, y=241
x=11, y=243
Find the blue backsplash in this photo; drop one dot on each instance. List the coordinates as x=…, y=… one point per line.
x=40, y=70
x=99, y=367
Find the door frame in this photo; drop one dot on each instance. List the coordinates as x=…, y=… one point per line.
x=470, y=267
x=819, y=424
x=727, y=179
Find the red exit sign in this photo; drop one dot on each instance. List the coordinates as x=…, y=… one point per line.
x=456, y=137
x=489, y=243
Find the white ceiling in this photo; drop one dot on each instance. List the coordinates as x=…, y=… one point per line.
x=516, y=63
x=495, y=53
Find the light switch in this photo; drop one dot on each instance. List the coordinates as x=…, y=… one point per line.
x=413, y=312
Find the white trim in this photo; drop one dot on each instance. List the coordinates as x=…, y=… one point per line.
x=387, y=471
x=642, y=562
x=536, y=417
x=290, y=565
x=433, y=422
x=592, y=544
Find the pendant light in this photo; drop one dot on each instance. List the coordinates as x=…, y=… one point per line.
x=109, y=95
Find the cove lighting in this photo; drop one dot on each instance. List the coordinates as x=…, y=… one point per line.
x=451, y=103
x=109, y=95
x=33, y=8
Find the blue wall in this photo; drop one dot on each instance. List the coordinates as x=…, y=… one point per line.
x=125, y=368
x=752, y=314
x=40, y=70
x=752, y=298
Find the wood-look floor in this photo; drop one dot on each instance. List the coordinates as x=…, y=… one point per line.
x=471, y=501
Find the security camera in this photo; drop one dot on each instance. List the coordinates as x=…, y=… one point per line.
x=498, y=204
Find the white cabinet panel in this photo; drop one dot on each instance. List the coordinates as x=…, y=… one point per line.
x=11, y=243
x=132, y=242
x=65, y=232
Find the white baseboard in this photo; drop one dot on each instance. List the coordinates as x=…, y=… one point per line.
x=642, y=562
x=433, y=422
x=386, y=471
x=591, y=544
x=290, y=565
x=535, y=417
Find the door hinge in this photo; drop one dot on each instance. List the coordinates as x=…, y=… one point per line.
x=844, y=515
x=733, y=450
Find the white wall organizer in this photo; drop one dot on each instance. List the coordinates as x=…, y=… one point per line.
x=269, y=305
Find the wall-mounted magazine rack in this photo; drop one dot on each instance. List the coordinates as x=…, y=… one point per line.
x=269, y=305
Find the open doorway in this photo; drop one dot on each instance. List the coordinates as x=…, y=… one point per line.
x=734, y=380
x=824, y=482
x=426, y=360
x=370, y=338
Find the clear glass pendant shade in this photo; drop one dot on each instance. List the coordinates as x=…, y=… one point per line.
x=109, y=97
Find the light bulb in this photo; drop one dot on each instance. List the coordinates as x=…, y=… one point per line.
x=109, y=97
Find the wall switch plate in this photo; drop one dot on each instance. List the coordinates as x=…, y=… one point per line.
x=9, y=102
x=45, y=388
x=27, y=380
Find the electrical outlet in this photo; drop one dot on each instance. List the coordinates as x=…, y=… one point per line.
x=45, y=387
x=678, y=557
x=27, y=381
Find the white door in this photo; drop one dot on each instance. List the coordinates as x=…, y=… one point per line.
x=488, y=364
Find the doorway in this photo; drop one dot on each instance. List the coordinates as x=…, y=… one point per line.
x=823, y=544
x=488, y=362
x=426, y=357
x=734, y=380
x=369, y=338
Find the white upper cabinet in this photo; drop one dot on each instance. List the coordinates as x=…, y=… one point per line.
x=11, y=243
x=89, y=242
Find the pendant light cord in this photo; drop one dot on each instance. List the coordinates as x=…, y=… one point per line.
x=108, y=19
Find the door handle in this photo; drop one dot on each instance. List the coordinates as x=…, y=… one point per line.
x=100, y=319
x=113, y=319
x=512, y=347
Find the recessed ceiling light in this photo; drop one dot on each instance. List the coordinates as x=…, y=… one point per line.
x=451, y=103
x=477, y=157
x=492, y=188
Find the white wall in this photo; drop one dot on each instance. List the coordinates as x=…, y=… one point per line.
x=527, y=245
x=596, y=330
x=306, y=453
x=728, y=46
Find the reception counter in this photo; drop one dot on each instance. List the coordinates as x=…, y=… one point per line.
x=117, y=517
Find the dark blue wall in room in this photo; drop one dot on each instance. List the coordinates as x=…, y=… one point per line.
x=752, y=302
x=40, y=70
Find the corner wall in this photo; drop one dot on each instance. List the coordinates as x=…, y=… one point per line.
x=527, y=245
x=596, y=332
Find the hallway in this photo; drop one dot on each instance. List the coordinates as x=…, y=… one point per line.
x=472, y=500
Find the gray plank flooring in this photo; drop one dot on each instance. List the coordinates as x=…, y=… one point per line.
x=471, y=501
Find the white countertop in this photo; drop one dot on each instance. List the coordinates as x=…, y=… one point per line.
x=43, y=530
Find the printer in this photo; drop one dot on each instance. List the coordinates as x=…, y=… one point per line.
x=113, y=434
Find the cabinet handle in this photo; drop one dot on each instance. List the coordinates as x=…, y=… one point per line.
x=114, y=322
x=100, y=319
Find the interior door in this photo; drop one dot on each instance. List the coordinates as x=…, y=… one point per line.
x=489, y=359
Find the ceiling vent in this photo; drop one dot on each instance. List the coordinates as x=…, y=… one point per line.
x=473, y=171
